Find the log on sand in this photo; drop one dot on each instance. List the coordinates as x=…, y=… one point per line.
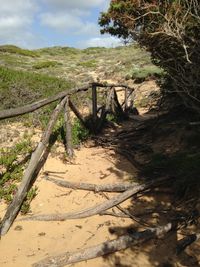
x=92, y=187
x=105, y=248
x=100, y=207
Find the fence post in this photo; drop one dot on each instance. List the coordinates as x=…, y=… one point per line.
x=126, y=99
x=68, y=128
x=94, y=103
x=27, y=179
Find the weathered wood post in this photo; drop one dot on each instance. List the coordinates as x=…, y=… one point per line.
x=68, y=128
x=94, y=103
x=23, y=188
x=125, y=99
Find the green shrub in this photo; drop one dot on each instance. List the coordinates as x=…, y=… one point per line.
x=12, y=163
x=145, y=72
x=17, y=50
x=46, y=64
x=18, y=88
x=88, y=64
x=79, y=133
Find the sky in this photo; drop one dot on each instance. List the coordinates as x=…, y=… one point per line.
x=44, y=23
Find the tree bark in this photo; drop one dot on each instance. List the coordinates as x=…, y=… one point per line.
x=23, y=188
x=105, y=248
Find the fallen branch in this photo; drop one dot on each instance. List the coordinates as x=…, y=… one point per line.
x=105, y=248
x=13, y=112
x=98, y=208
x=92, y=187
x=185, y=242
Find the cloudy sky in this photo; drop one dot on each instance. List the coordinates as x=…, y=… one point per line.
x=44, y=23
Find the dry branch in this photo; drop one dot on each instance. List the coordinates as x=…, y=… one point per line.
x=68, y=128
x=105, y=248
x=77, y=113
x=186, y=241
x=18, y=199
x=98, y=208
x=13, y=112
x=92, y=187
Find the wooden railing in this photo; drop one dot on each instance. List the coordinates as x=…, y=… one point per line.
x=97, y=118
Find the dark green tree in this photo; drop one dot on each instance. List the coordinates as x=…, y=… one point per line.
x=170, y=30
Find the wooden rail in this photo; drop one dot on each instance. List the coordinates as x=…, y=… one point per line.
x=112, y=105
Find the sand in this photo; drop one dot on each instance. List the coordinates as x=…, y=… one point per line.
x=28, y=242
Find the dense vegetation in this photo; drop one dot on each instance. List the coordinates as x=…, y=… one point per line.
x=170, y=31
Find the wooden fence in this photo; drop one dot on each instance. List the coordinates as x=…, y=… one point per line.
x=94, y=123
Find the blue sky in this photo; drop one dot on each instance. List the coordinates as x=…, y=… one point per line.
x=44, y=23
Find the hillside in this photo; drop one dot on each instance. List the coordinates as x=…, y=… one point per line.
x=144, y=147
x=73, y=67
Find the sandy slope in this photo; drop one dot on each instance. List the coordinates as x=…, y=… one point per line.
x=28, y=242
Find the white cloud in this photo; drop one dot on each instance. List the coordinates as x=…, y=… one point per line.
x=68, y=23
x=28, y=23
x=61, y=22
x=16, y=18
x=100, y=41
x=17, y=7
x=73, y=4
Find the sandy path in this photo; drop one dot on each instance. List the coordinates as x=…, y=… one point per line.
x=28, y=242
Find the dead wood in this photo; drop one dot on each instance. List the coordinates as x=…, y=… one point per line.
x=100, y=207
x=78, y=114
x=113, y=85
x=13, y=112
x=186, y=241
x=94, y=103
x=114, y=214
x=68, y=128
x=105, y=248
x=92, y=187
x=106, y=109
x=23, y=188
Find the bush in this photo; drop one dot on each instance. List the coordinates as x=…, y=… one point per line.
x=18, y=88
x=143, y=73
x=12, y=163
x=19, y=51
x=88, y=64
x=46, y=64
x=169, y=30
x=79, y=133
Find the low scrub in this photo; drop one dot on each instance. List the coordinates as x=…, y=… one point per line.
x=88, y=64
x=19, y=51
x=12, y=163
x=19, y=87
x=46, y=64
x=145, y=72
